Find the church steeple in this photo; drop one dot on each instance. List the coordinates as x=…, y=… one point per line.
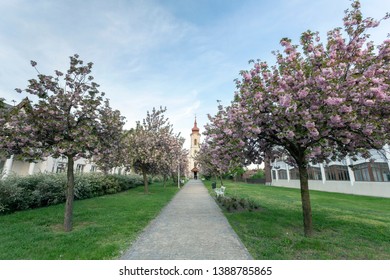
x=195, y=128
x=194, y=149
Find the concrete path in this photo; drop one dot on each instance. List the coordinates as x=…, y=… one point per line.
x=190, y=227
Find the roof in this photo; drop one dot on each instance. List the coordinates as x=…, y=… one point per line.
x=195, y=128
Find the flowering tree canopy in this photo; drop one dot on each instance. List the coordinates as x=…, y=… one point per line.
x=70, y=119
x=108, y=153
x=175, y=159
x=223, y=149
x=319, y=102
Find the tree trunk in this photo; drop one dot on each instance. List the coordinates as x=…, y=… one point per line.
x=165, y=180
x=267, y=169
x=146, y=183
x=69, y=196
x=305, y=197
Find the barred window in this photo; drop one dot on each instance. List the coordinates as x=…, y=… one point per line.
x=282, y=173
x=61, y=167
x=372, y=171
x=380, y=171
x=337, y=173
x=80, y=168
x=314, y=173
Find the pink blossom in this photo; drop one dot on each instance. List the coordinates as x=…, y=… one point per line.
x=310, y=125
x=290, y=134
x=303, y=93
x=333, y=101
x=285, y=100
x=247, y=77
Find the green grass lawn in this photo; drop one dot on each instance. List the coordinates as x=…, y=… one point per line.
x=103, y=227
x=345, y=226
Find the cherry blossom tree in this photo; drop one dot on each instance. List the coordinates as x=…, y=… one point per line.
x=319, y=102
x=69, y=119
x=149, y=144
x=108, y=154
x=225, y=147
x=175, y=159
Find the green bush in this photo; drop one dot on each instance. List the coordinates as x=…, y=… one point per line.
x=49, y=190
x=20, y=193
x=260, y=174
x=237, y=204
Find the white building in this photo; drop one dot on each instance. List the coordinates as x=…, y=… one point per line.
x=369, y=177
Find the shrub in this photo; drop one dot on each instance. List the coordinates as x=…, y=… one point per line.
x=20, y=193
x=260, y=174
x=237, y=204
x=50, y=189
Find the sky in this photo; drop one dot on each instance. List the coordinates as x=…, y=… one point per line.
x=180, y=54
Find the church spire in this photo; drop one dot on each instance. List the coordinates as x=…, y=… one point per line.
x=195, y=128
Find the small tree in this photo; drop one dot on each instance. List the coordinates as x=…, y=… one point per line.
x=146, y=145
x=108, y=154
x=68, y=120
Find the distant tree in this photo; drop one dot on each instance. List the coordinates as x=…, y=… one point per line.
x=148, y=144
x=319, y=102
x=68, y=120
x=175, y=160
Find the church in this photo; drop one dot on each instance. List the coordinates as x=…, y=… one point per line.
x=194, y=149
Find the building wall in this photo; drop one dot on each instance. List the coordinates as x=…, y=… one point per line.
x=379, y=189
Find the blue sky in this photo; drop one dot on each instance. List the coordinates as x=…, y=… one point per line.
x=182, y=54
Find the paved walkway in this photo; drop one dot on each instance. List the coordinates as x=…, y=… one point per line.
x=190, y=227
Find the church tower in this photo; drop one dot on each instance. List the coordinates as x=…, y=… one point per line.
x=195, y=146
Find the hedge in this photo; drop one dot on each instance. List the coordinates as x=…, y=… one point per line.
x=21, y=193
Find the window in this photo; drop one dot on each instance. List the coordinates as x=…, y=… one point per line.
x=61, y=167
x=380, y=171
x=93, y=168
x=372, y=171
x=337, y=173
x=80, y=168
x=282, y=173
x=314, y=173
x=195, y=142
x=274, y=174
x=294, y=174
x=361, y=172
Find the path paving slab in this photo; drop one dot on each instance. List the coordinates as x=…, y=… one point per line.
x=190, y=227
